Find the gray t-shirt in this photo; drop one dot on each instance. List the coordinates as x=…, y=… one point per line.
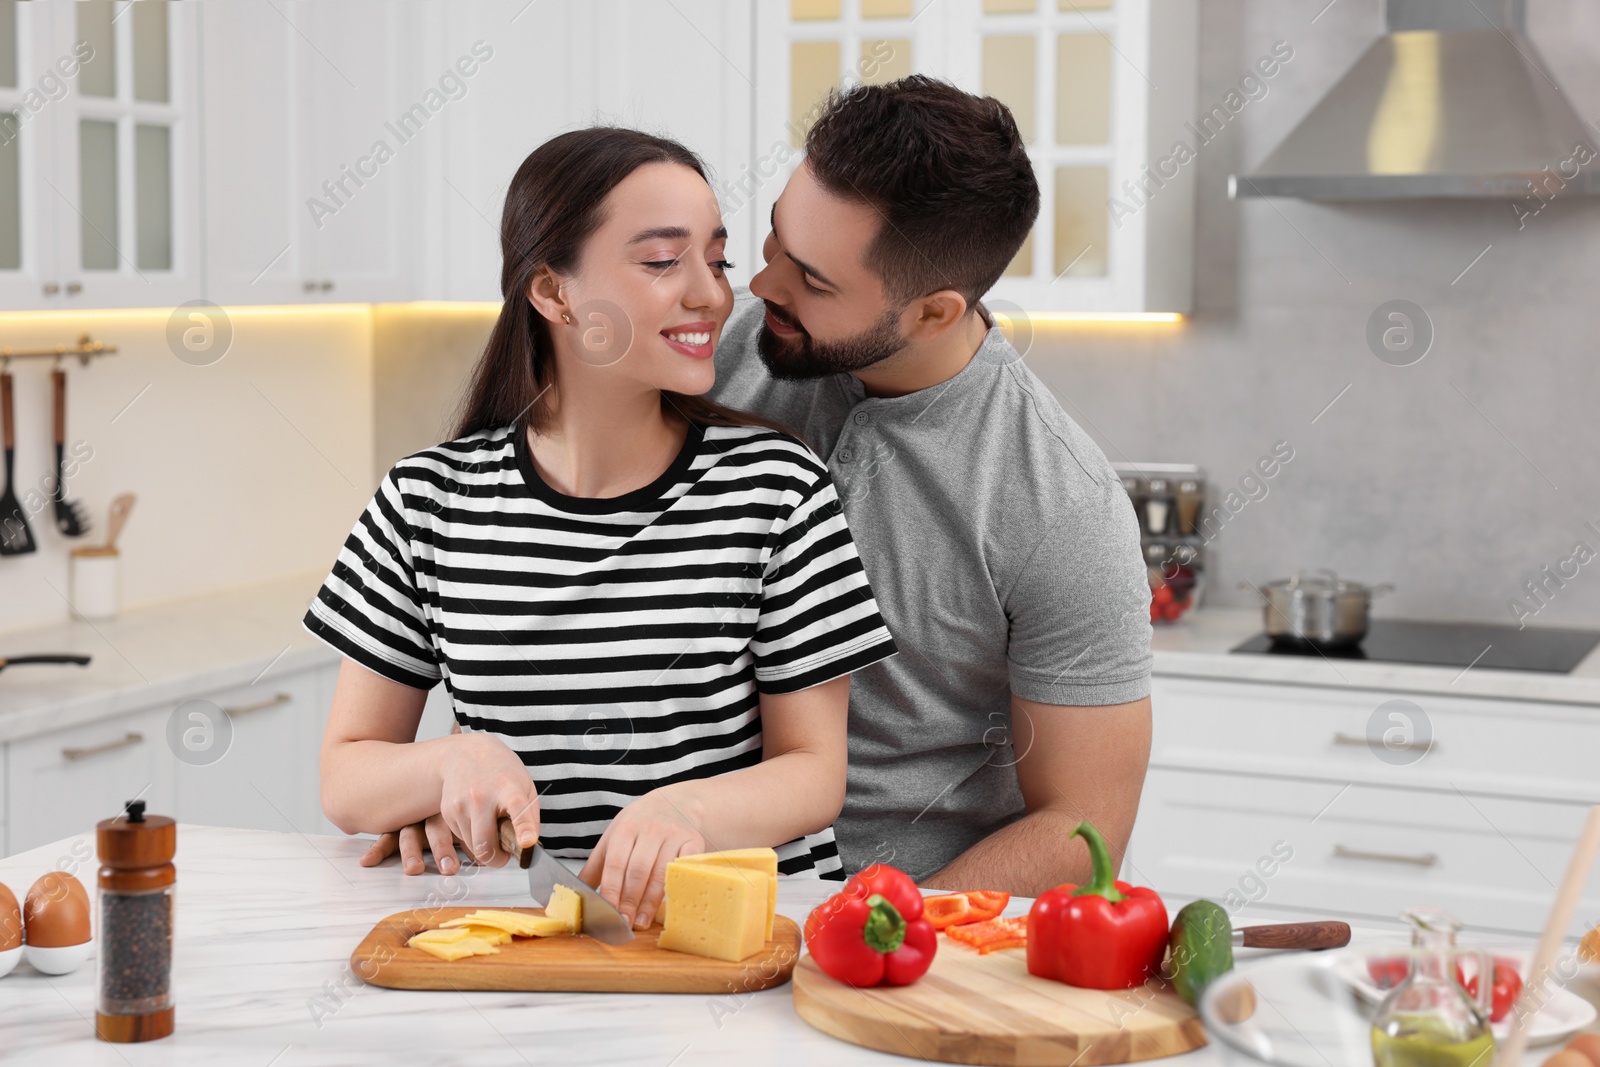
x=1004, y=555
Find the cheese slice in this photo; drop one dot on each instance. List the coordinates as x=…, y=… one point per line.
x=512, y=922
x=545, y=926
x=440, y=935
x=749, y=859
x=455, y=950
x=718, y=911
x=565, y=904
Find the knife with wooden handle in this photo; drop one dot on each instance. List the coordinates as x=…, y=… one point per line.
x=599, y=919
x=1307, y=936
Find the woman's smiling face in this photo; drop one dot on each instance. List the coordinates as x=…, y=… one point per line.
x=649, y=295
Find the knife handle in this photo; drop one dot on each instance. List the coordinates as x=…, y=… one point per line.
x=508, y=844
x=1312, y=936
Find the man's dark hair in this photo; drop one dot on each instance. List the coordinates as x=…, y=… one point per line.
x=946, y=172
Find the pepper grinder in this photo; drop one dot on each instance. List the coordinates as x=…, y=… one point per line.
x=137, y=881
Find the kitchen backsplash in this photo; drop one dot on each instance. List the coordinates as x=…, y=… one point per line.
x=248, y=468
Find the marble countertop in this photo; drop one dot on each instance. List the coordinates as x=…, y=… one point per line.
x=156, y=654
x=266, y=923
x=1196, y=646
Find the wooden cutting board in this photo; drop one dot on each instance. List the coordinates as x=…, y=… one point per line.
x=971, y=1008
x=569, y=964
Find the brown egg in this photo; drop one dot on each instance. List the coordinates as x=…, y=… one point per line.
x=1589, y=1045
x=56, y=913
x=1567, y=1058
x=10, y=920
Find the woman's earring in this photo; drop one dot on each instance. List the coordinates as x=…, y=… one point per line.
x=566, y=318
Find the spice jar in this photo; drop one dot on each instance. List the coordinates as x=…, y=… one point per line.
x=1157, y=507
x=137, y=880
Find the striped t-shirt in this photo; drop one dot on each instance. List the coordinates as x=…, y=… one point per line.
x=616, y=644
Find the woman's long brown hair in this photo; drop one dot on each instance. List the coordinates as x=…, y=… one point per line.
x=552, y=207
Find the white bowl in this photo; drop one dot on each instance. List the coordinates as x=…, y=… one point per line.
x=61, y=960
x=9, y=959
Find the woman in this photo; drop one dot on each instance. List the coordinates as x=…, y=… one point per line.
x=645, y=606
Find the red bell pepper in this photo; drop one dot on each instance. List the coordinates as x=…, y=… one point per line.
x=1106, y=935
x=873, y=933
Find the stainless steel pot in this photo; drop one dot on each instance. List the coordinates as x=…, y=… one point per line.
x=1316, y=608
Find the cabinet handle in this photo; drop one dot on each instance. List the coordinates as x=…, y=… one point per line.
x=1362, y=742
x=309, y=286
x=326, y=285
x=130, y=738
x=1427, y=859
x=270, y=702
x=51, y=288
x=74, y=288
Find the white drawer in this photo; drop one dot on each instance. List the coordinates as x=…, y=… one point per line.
x=241, y=758
x=1528, y=749
x=64, y=783
x=1355, y=850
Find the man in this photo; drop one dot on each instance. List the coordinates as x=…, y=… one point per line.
x=998, y=541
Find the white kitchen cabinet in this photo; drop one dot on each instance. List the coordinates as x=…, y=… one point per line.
x=262, y=780
x=681, y=70
x=99, y=174
x=1287, y=798
x=63, y=783
x=317, y=138
x=1101, y=90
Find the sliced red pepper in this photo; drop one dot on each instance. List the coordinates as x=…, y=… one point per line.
x=985, y=904
x=1106, y=935
x=947, y=910
x=993, y=935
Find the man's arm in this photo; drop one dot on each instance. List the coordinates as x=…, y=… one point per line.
x=1074, y=764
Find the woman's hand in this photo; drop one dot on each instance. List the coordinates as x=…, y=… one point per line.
x=630, y=862
x=412, y=842
x=480, y=778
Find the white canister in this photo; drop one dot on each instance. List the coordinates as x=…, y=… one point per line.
x=94, y=582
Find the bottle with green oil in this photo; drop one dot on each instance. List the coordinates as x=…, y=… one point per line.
x=1428, y=1020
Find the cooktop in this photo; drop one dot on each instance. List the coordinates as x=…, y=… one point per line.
x=1450, y=644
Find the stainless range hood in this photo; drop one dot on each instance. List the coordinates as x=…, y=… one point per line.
x=1451, y=102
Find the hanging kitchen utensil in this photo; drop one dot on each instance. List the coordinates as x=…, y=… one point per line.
x=15, y=537
x=71, y=518
x=121, y=505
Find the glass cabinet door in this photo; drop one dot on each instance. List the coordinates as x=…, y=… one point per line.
x=122, y=152
x=26, y=144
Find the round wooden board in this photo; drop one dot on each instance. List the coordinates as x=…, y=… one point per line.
x=971, y=1008
x=566, y=964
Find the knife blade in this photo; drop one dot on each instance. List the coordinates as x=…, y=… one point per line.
x=599, y=919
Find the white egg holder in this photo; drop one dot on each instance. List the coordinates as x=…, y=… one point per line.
x=58, y=960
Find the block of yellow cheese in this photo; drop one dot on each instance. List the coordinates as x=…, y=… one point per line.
x=749, y=859
x=718, y=911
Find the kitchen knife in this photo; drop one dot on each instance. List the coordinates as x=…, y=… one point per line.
x=1309, y=936
x=600, y=920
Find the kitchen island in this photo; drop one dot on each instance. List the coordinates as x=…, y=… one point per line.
x=266, y=923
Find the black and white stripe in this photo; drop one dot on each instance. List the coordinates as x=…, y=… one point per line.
x=616, y=644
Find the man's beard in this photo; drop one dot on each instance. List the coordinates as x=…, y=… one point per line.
x=802, y=357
